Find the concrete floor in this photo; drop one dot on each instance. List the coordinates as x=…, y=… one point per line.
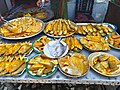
x=9, y=86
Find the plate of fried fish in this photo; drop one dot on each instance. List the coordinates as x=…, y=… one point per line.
x=94, y=29
x=94, y=43
x=13, y=49
x=12, y=65
x=60, y=28
x=104, y=63
x=21, y=28
x=41, y=66
x=39, y=44
x=74, y=65
x=73, y=43
x=113, y=41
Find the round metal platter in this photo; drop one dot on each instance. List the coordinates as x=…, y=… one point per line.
x=18, y=38
x=58, y=36
x=96, y=54
x=113, y=27
x=49, y=13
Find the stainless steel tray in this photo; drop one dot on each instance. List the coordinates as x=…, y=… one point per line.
x=43, y=25
x=49, y=12
x=113, y=27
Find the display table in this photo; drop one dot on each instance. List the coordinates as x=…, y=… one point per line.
x=92, y=77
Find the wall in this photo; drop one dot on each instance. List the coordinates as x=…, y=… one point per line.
x=99, y=9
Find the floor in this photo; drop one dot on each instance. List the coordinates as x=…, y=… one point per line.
x=10, y=86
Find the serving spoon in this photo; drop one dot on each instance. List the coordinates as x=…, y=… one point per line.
x=2, y=18
x=8, y=23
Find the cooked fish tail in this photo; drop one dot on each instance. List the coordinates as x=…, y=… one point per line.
x=18, y=70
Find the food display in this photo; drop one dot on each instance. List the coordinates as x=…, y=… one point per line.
x=12, y=65
x=34, y=12
x=39, y=44
x=74, y=65
x=41, y=66
x=114, y=41
x=95, y=43
x=73, y=43
x=21, y=28
x=24, y=48
x=60, y=28
x=105, y=64
x=94, y=30
x=62, y=49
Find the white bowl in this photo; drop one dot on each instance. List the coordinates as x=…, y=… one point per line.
x=53, y=47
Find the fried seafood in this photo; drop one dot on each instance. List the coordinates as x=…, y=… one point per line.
x=74, y=64
x=39, y=44
x=15, y=49
x=41, y=65
x=95, y=43
x=22, y=27
x=73, y=43
x=114, y=40
x=106, y=64
x=94, y=30
x=34, y=12
x=60, y=27
x=11, y=65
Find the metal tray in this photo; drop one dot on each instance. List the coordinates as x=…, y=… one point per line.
x=113, y=27
x=43, y=25
x=58, y=36
x=49, y=12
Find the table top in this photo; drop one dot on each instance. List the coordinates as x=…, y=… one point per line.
x=92, y=77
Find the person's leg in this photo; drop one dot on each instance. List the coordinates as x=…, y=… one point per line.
x=64, y=13
x=54, y=7
x=59, y=8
